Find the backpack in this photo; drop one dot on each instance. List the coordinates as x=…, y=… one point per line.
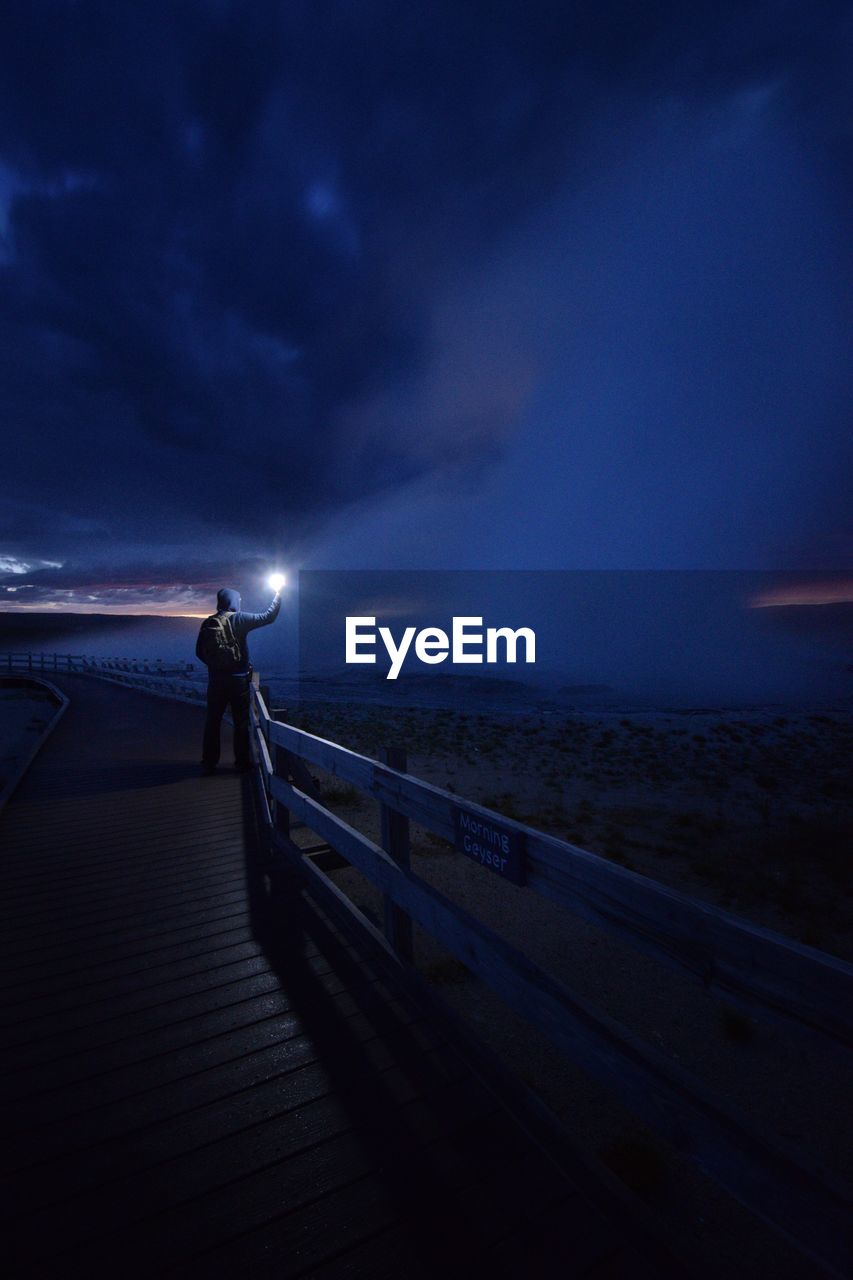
x=217, y=646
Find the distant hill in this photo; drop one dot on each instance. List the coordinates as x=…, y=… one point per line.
x=100, y=635
x=17, y=630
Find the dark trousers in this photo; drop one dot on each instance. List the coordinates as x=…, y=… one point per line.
x=223, y=691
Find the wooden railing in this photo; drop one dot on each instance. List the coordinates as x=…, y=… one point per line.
x=770, y=976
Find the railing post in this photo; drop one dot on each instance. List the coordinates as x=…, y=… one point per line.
x=281, y=765
x=395, y=842
x=264, y=691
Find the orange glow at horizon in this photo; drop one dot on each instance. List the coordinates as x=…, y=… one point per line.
x=804, y=593
x=49, y=609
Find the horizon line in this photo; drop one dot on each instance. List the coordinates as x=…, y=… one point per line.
x=93, y=613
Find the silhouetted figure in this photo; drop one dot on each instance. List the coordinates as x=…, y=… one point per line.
x=222, y=646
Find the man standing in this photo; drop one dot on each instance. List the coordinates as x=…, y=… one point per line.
x=222, y=646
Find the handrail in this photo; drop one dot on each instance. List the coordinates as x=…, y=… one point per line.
x=775, y=978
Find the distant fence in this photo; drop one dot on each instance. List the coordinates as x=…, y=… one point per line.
x=770, y=976
x=178, y=681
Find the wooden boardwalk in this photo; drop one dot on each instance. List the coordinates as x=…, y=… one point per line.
x=200, y=1079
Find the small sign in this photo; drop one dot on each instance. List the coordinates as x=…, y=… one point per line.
x=490, y=843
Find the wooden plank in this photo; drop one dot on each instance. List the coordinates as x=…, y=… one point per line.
x=69, y=861
x=68, y=982
x=123, y=906
x=98, y=1016
x=181, y=942
x=40, y=1000
x=43, y=887
x=66, y=851
x=116, y=810
x=772, y=975
x=131, y=890
x=116, y=942
x=160, y=986
x=53, y=1121
x=263, y=751
x=68, y=802
x=135, y=972
x=137, y=1024
x=164, y=913
x=784, y=1188
x=43, y=895
x=84, y=867
x=260, y=704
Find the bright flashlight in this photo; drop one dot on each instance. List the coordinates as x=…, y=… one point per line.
x=277, y=581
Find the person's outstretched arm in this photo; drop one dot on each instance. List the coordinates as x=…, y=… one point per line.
x=242, y=623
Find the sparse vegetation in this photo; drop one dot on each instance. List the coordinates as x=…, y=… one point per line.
x=503, y=802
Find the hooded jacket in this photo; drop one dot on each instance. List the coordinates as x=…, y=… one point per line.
x=228, y=601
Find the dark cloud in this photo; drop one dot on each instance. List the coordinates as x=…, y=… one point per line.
x=228, y=227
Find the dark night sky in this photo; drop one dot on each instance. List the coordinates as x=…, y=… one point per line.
x=419, y=285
